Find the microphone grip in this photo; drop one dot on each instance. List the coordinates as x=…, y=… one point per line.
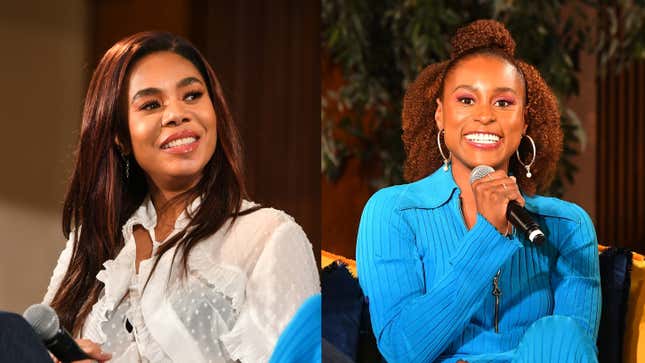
x=63, y=347
x=520, y=219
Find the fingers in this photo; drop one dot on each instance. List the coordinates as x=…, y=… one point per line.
x=492, y=195
x=500, y=187
x=517, y=195
x=93, y=350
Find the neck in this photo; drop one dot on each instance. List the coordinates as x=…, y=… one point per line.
x=461, y=174
x=169, y=202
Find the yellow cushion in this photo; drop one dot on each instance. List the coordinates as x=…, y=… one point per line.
x=328, y=257
x=634, y=345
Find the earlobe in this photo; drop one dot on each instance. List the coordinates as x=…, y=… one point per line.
x=119, y=145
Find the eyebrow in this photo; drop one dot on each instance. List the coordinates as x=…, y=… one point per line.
x=497, y=90
x=153, y=91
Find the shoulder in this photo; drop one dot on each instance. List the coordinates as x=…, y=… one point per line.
x=392, y=198
x=255, y=228
x=567, y=212
x=241, y=243
x=402, y=196
x=430, y=192
x=384, y=206
x=389, y=212
x=263, y=219
x=570, y=225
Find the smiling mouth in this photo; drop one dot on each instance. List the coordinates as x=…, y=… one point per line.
x=179, y=142
x=482, y=138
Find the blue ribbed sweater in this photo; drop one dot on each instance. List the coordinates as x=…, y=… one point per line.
x=429, y=279
x=301, y=340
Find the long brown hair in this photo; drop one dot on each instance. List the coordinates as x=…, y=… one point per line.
x=100, y=197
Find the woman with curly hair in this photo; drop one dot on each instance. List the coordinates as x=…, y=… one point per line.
x=167, y=260
x=447, y=276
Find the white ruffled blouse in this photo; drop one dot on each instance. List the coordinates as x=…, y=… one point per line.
x=243, y=287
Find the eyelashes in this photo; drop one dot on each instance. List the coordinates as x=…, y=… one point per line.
x=194, y=95
x=502, y=102
x=149, y=106
x=189, y=97
x=466, y=100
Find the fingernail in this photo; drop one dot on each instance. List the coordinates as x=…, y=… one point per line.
x=512, y=177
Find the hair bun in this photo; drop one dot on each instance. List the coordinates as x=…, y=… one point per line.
x=482, y=34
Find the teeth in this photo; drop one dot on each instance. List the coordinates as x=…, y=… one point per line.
x=178, y=142
x=480, y=138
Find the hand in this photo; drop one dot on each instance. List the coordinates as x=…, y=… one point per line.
x=492, y=194
x=92, y=349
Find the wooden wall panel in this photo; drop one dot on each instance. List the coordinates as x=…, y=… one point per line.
x=111, y=20
x=621, y=158
x=268, y=56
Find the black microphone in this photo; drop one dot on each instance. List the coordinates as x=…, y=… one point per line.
x=58, y=341
x=516, y=214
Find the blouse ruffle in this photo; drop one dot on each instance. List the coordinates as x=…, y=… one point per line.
x=115, y=276
x=263, y=263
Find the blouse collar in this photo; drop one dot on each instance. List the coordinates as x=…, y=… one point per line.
x=430, y=192
x=439, y=187
x=146, y=214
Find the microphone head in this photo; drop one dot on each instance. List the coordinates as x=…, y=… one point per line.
x=43, y=320
x=479, y=172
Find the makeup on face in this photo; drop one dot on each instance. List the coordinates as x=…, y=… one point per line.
x=482, y=111
x=171, y=118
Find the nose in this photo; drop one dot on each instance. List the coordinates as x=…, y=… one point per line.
x=485, y=114
x=174, y=114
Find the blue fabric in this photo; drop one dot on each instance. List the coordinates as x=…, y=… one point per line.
x=342, y=306
x=615, y=268
x=429, y=279
x=19, y=342
x=555, y=339
x=300, y=341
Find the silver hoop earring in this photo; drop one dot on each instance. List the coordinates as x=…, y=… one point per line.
x=446, y=160
x=527, y=166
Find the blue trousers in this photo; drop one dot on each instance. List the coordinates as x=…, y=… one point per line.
x=555, y=339
x=551, y=339
x=19, y=342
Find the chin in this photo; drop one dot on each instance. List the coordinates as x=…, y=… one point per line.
x=182, y=174
x=495, y=164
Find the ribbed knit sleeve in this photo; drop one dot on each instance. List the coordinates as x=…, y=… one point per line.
x=301, y=339
x=576, y=277
x=414, y=322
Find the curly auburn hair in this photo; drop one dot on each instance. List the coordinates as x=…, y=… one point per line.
x=541, y=113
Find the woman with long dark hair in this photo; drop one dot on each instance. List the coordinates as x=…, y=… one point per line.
x=166, y=259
